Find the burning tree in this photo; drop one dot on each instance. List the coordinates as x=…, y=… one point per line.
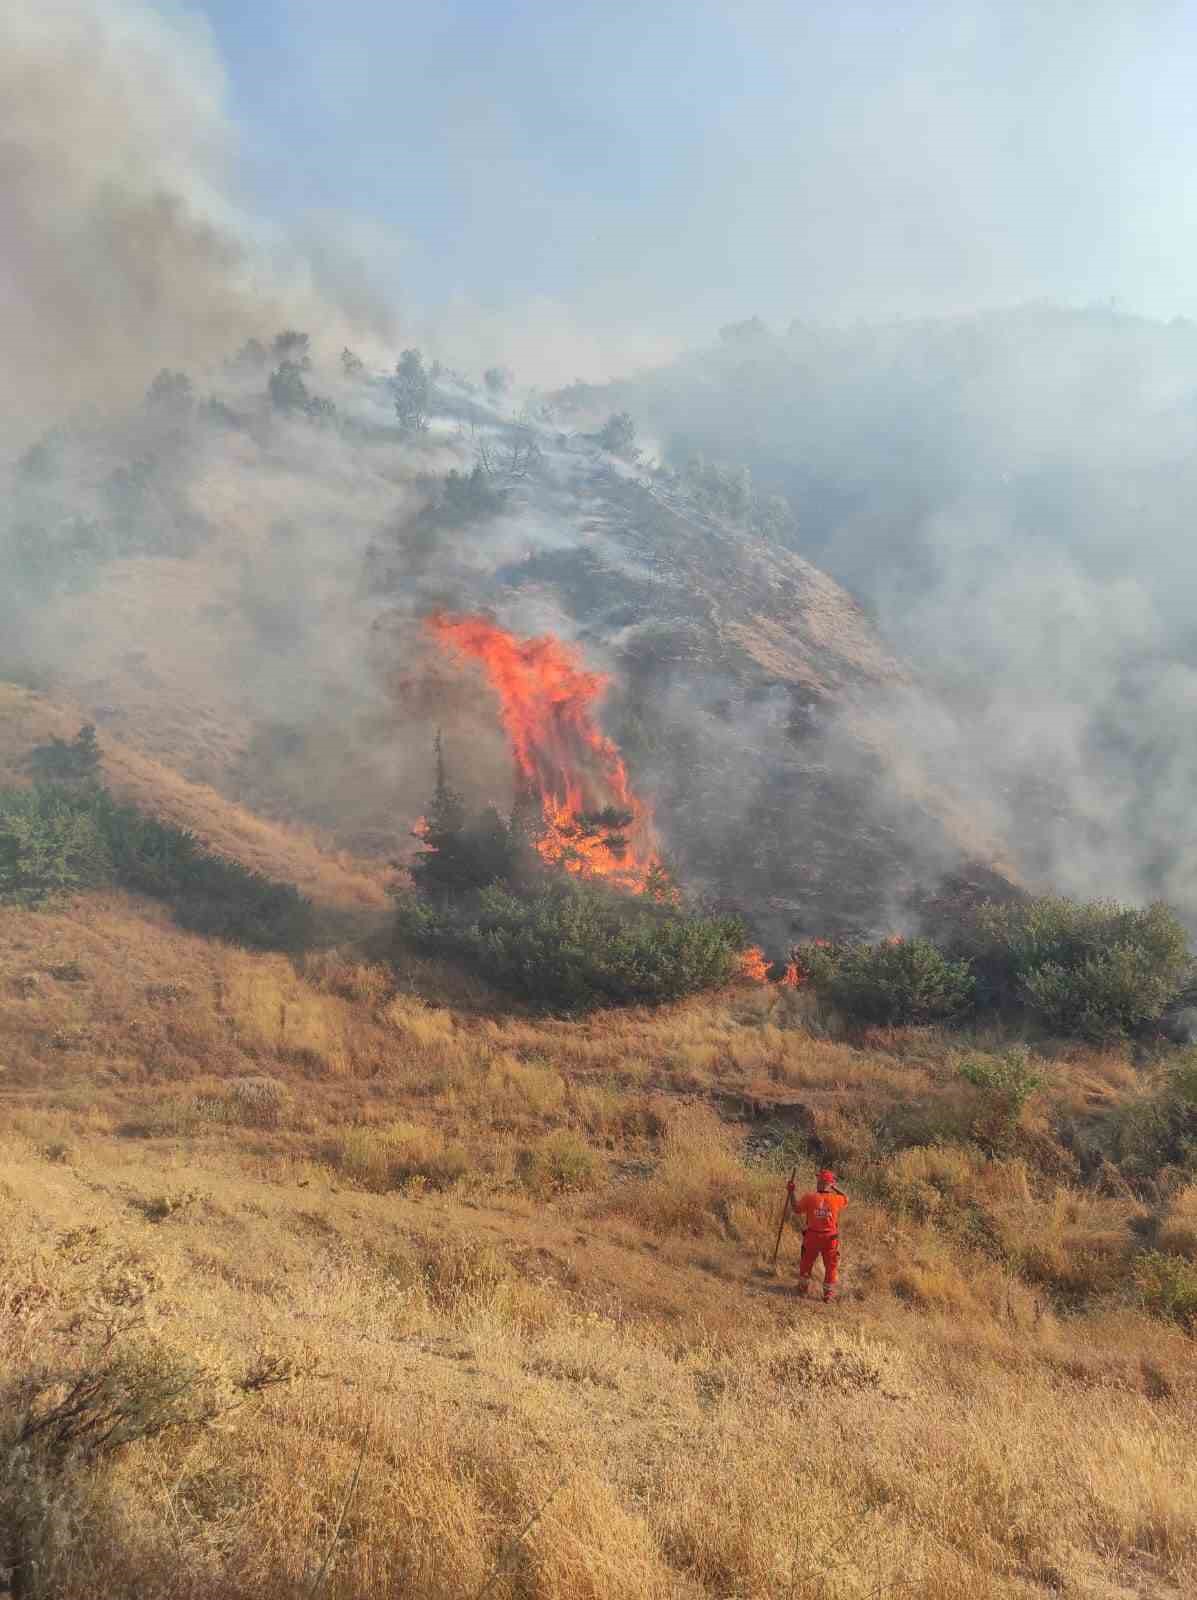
x=591, y=822
x=565, y=901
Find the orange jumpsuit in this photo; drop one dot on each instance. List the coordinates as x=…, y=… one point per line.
x=820, y=1216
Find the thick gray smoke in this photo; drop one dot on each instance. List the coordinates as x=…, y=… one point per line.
x=1008, y=496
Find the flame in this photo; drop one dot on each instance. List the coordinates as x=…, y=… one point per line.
x=547, y=703
x=791, y=978
x=753, y=964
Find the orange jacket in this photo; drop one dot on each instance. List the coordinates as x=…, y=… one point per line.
x=820, y=1213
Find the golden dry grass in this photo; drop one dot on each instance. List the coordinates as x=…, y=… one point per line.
x=523, y=1265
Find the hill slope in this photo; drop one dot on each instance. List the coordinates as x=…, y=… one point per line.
x=291, y=853
x=242, y=597
x=519, y=1270
x=1005, y=494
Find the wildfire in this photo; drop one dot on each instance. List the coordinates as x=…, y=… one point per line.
x=754, y=965
x=593, y=822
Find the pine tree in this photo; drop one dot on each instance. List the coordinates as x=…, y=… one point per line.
x=460, y=855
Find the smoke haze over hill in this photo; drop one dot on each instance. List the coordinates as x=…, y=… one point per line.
x=242, y=583
x=1008, y=496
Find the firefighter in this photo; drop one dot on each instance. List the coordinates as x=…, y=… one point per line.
x=819, y=1213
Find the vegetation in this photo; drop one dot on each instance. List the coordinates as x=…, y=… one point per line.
x=1159, y=1130
x=51, y=842
x=74, y=760
x=485, y=897
x=411, y=389
x=618, y=435
x=63, y=838
x=207, y=893
x=467, y=497
x=1004, y=1085
x=1168, y=1285
x=893, y=981
x=460, y=853
x=1095, y=969
x=172, y=395
x=562, y=1242
x=1092, y=970
x=570, y=946
x=290, y=394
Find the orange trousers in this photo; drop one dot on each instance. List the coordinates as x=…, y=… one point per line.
x=815, y=1245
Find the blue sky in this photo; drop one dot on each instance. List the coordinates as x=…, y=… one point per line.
x=675, y=166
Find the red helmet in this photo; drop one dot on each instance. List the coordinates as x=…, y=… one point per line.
x=826, y=1177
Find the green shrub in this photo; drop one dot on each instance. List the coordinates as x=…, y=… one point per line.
x=1104, y=997
x=209, y=894
x=1004, y=1084
x=49, y=844
x=571, y=946
x=894, y=981
x=56, y=838
x=67, y=760
x=1168, y=1285
x=1096, y=969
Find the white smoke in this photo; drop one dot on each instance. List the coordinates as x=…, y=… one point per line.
x=124, y=247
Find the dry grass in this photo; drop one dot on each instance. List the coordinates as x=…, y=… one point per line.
x=1178, y=1230
x=523, y=1263
x=807, y=1457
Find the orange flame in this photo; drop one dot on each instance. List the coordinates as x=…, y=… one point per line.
x=753, y=964
x=547, y=702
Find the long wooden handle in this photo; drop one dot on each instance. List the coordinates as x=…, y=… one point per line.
x=785, y=1211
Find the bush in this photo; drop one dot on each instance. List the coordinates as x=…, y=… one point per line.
x=571, y=946
x=1168, y=1285
x=467, y=497
x=1104, y=997
x=67, y=760
x=1004, y=1083
x=1092, y=968
x=894, y=981
x=56, y=838
x=48, y=845
x=618, y=435
x=209, y=894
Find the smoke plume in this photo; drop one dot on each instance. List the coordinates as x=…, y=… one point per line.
x=124, y=247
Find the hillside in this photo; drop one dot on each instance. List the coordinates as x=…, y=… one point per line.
x=240, y=594
x=1003, y=493
x=520, y=1271
x=598, y=979
x=371, y=1280
x=352, y=892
